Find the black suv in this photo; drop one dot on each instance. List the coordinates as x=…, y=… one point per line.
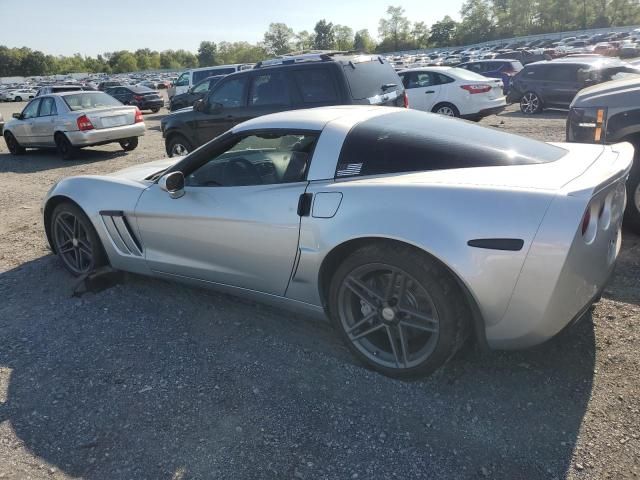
x=197, y=92
x=553, y=84
x=142, y=97
x=287, y=83
x=610, y=113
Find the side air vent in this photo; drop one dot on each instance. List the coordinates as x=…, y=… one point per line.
x=121, y=233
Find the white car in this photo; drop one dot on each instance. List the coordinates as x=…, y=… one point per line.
x=19, y=95
x=452, y=91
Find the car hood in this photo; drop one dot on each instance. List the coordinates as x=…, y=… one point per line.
x=145, y=170
x=598, y=94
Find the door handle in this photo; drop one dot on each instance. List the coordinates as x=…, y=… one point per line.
x=429, y=91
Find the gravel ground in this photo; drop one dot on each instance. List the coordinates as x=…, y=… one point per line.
x=118, y=385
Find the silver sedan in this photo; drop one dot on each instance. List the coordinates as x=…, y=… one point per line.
x=411, y=231
x=72, y=120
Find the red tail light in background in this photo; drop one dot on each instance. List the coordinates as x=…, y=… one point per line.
x=84, y=123
x=479, y=88
x=406, y=100
x=138, y=98
x=138, y=116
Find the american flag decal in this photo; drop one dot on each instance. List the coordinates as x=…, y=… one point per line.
x=346, y=170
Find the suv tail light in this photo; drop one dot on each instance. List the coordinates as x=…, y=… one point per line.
x=477, y=88
x=84, y=123
x=406, y=100
x=138, y=118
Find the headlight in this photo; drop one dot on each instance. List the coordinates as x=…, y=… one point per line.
x=587, y=125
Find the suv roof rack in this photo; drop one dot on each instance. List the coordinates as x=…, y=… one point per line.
x=305, y=56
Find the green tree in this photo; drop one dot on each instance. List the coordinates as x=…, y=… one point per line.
x=477, y=22
x=303, y=41
x=363, y=42
x=324, y=36
x=207, y=54
x=344, y=37
x=277, y=40
x=443, y=32
x=394, y=30
x=420, y=35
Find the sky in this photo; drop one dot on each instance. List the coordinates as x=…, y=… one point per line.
x=65, y=27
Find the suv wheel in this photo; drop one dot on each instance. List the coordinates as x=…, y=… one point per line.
x=178, y=146
x=530, y=103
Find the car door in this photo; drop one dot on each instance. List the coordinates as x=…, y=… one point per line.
x=270, y=92
x=561, y=85
x=44, y=124
x=237, y=223
x=197, y=92
x=422, y=89
x=23, y=131
x=225, y=108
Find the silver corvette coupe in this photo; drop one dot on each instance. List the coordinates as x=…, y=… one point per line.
x=411, y=231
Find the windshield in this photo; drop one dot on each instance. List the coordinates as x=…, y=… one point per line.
x=87, y=101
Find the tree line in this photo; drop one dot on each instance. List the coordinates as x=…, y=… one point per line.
x=481, y=20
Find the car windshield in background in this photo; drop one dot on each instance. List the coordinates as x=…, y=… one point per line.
x=366, y=79
x=467, y=74
x=87, y=101
x=414, y=141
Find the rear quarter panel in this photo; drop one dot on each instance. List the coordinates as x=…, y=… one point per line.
x=439, y=219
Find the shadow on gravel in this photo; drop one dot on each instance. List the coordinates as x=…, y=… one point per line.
x=546, y=114
x=40, y=160
x=155, y=380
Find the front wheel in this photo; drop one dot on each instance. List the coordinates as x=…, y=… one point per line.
x=75, y=241
x=12, y=144
x=17, y=99
x=397, y=310
x=129, y=144
x=178, y=146
x=530, y=103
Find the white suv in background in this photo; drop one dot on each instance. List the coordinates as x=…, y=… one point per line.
x=451, y=91
x=188, y=79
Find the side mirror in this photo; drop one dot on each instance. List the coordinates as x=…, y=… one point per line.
x=17, y=115
x=198, y=105
x=173, y=184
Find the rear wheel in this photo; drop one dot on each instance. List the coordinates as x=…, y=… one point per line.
x=155, y=110
x=75, y=241
x=129, y=144
x=17, y=99
x=64, y=147
x=530, y=103
x=397, y=310
x=178, y=146
x=446, y=109
x=12, y=144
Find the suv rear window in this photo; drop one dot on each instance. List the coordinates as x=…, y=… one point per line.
x=367, y=78
x=410, y=141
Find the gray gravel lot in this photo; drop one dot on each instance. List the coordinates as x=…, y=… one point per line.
x=155, y=380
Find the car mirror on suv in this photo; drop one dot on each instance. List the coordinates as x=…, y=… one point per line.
x=199, y=105
x=18, y=116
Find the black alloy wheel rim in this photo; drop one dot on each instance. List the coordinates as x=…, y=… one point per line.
x=73, y=243
x=388, y=316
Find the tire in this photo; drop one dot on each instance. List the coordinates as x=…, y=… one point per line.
x=155, y=110
x=177, y=145
x=530, y=103
x=17, y=99
x=129, y=144
x=64, y=147
x=446, y=109
x=632, y=212
x=384, y=314
x=12, y=144
x=75, y=241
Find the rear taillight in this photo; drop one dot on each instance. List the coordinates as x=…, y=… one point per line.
x=479, y=88
x=84, y=123
x=138, y=118
x=590, y=222
x=406, y=100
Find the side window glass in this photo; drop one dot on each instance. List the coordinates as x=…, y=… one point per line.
x=269, y=89
x=442, y=79
x=202, y=87
x=31, y=110
x=183, y=80
x=264, y=159
x=230, y=94
x=47, y=107
x=316, y=85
